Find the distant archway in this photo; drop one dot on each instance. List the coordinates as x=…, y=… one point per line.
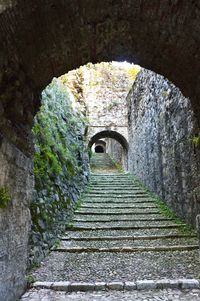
x=99, y=149
x=109, y=134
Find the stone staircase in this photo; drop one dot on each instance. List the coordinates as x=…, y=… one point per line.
x=101, y=162
x=119, y=239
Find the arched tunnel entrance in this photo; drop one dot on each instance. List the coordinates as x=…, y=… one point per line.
x=99, y=149
x=99, y=146
x=39, y=41
x=33, y=64
x=115, y=145
x=109, y=134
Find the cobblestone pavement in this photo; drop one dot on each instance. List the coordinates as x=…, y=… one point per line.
x=152, y=295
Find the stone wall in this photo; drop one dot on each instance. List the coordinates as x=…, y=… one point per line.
x=163, y=37
x=15, y=174
x=116, y=152
x=103, y=88
x=60, y=167
x=164, y=146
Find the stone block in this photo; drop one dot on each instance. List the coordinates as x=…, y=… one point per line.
x=173, y=284
x=130, y=286
x=61, y=286
x=115, y=285
x=189, y=283
x=163, y=283
x=100, y=286
x=81, y=286
x=145, y=284
x=43, y=284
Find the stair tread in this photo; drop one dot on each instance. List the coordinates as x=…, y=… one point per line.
x=119, y=232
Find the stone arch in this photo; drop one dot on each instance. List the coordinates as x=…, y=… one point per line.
x=47, y=38
x=99, y=149
x=109, y=134
x=100, y=144
x=41, y=39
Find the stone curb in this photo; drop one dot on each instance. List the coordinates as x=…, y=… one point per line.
x=126, y=249
x=68, y=286
x=80, y=228
x=155, y=212
x=132, y=238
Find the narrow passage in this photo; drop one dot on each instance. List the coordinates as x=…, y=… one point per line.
x=119, y=241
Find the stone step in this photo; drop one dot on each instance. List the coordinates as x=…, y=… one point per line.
x=122, y=290
x=100, y=160
x=126, y=224
x=100, y=165
x=119, y=195
x=116, y=201
x=123, y=217
x=101, y=175
x=107, y=212
x=109, y=266
x=111, y=176
x=119, y=183
x=108, y=179
x=111, y=191
x=124, y=227
x=124, y=243
x=114, y=192
x=130, y=237
x=165, y=248
x=117, y=206
x=115, y=185
x=118, y=187
x=112, y=184
x=102, y=220
x=120, y=232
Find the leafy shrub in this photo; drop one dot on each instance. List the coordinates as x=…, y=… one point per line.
x=5, y=197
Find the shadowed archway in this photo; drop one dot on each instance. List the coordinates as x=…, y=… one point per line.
x=42, y=39
x=109, y=134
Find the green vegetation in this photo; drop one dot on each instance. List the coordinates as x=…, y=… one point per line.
x=56, y=243
x=5, y=197
x=165, y=210
x=59, y=166
x=133, y=71
x=195, y=141
x=30, y=280
x=118, y=166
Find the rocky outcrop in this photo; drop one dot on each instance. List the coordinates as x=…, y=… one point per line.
x=164, y=148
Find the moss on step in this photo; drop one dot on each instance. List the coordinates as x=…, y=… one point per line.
x=165, y=210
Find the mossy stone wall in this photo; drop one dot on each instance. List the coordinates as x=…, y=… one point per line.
x=60, y=167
